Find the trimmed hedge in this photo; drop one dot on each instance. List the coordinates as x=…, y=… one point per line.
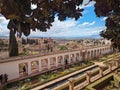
x=99, y=82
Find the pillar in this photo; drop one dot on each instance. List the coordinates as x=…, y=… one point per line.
x=63, y=61
x=40, y=68
x=71, y=83
x=88, y=77
x=56, y=61
x=101, y=71
x=89, y=54
x=78, y=56
x=29, y=68
x=49, y=63
x=69, y=58
x=74, y=57
x=96, y=52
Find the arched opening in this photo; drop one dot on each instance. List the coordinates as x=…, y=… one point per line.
x=88, y=55
x=34, y=66
x=23, y=69
x=91, y=54
x=52, y=62
x=66, y=61
x=77, y=57
x=95, y=53
x=60, y=59
x=44, y=64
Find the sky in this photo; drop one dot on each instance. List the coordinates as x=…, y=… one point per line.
x=88, y=26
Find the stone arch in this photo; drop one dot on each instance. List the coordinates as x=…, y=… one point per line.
x=66, y=59
x=88, y=55
x=44, y=64
x=23, y=69
x=34, y=66
x=77, y=57
x=92, y=53
x=60, y=59
x=52, y=62
x=98, y=52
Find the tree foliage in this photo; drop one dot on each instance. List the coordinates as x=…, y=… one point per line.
x=63, y=47
x=23, y=17
x=111, y=10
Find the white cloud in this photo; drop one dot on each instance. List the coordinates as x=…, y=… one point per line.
x=68, y=28
x=90, y=4
x=3, y=27
x=3, y=20
x=64, y=24
x=86, y=3
x=87, y=24
x=104, y=18
x=61, y=29
x=33, y=6
x=3, y=31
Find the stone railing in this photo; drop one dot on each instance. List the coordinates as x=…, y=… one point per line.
x=87, y=78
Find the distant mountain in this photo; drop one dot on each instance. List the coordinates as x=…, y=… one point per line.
x=70, y=38
x=4, y=37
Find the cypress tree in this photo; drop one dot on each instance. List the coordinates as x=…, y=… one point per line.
x=13, y=46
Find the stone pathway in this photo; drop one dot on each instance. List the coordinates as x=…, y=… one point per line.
x=99, y=63
x=102, y=62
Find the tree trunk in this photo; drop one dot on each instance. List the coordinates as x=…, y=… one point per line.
x=13, y=46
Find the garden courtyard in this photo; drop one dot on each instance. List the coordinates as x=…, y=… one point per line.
x=49, y=76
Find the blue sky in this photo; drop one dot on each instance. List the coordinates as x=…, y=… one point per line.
x=89, y=25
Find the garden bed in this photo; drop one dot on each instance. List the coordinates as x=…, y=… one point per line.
x=34, y=81
x=101, y=83
x=109, y=82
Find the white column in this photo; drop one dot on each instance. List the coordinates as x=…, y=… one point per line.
x=96, y=52
x=29, y=68
x=89, y=54
x=63, y=60
x=40, y=67
x=74, y=57
x=85, y=56
x=78, y=57
x=69, y=58
x=49, y=63
x=56, y=61
x=105, y=50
